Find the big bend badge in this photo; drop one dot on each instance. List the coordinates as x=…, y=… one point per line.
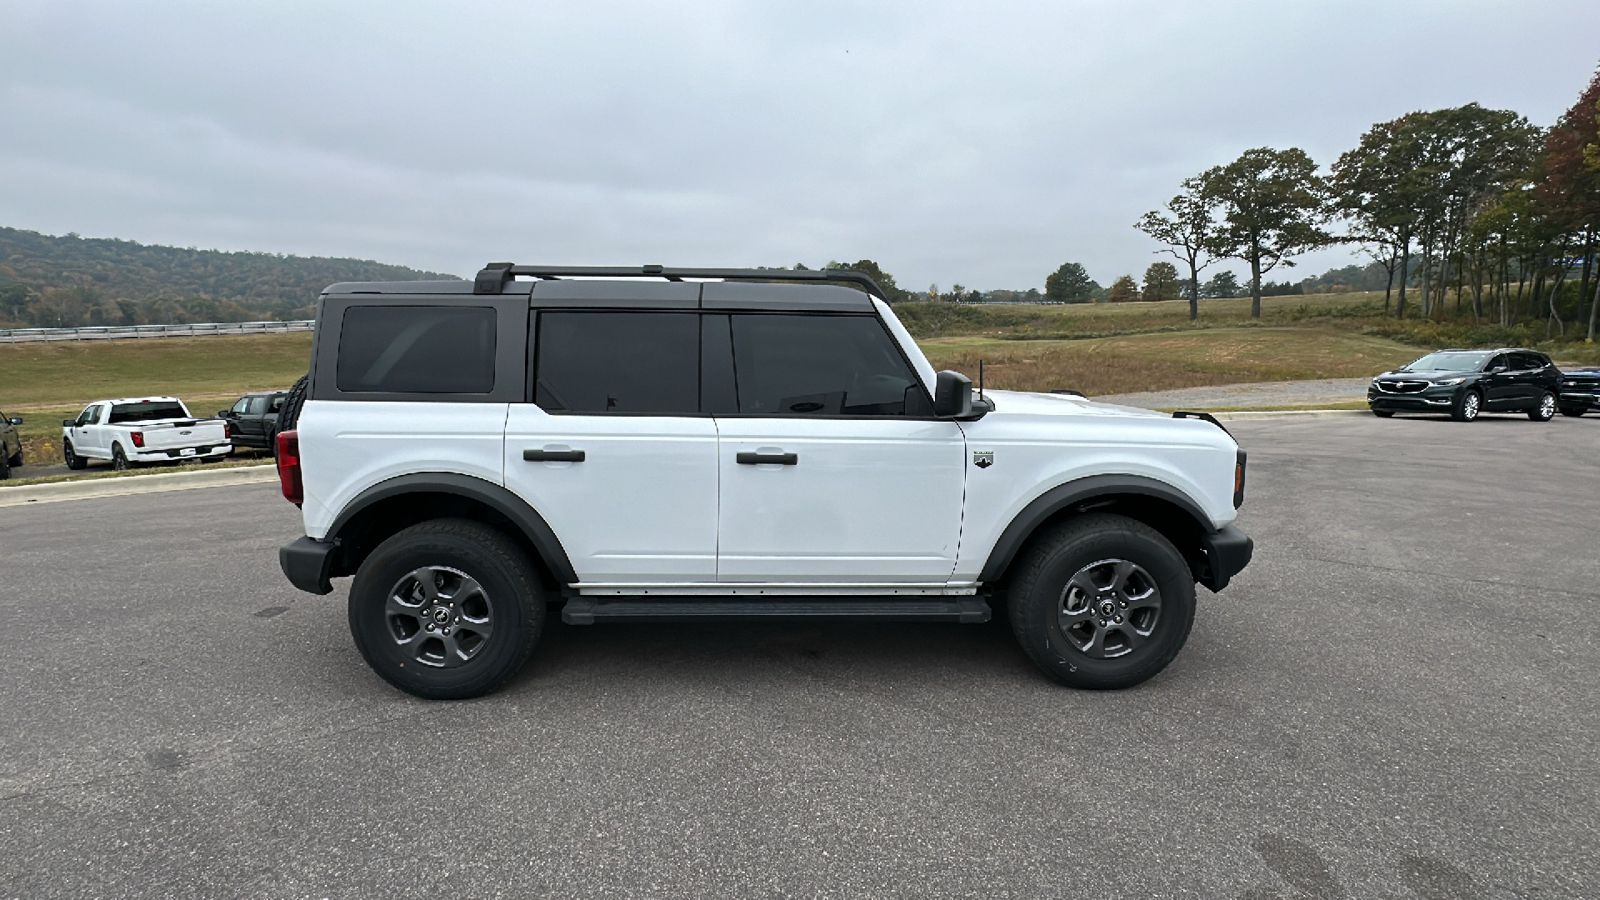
x=983, y=459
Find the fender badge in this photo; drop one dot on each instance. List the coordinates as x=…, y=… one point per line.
x=983, y=459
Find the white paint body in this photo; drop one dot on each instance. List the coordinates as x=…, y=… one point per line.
x=164, y=440
x=874, y=506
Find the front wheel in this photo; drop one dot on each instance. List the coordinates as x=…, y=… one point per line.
x=1383, y=413
x=74, y=461
x=1102, y=602
x=1546, y=410
x=1466, y=407
x=446, y=610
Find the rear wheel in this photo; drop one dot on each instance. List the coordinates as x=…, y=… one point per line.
x=119, y=460
x=74, y=461
x=1546, y=410
x=1101, y=602
x=1466, y=407
x=446, y=610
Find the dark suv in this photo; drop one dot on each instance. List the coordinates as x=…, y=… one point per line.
x=1580, y=390
x=10, y=444
x=253, y=419
x=1464, y=383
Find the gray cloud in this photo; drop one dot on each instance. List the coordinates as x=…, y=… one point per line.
x=981, y=143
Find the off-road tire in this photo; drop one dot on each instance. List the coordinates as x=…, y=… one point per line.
x=1383, y=413
x=512, y=602
x=290, y=413
x=1465, y=410
x=119, y=459
x=1546, y=408
x=1574, y=411
x=1039, y=588
x=73, y=460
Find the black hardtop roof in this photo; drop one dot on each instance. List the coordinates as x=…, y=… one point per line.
x=651, y=287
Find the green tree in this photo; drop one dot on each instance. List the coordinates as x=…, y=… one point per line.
x=1161, y=283
x=1272, y=207
x=891, y=291
x=1222, y=284
x=1185, y=226
x=1122, y=290
x=1069, y=284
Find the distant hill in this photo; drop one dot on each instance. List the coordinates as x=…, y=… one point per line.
x=48, y=281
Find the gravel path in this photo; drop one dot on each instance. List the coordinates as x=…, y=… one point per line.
x=1309, y=394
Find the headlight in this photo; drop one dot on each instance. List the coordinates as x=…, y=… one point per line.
x=1450, y=381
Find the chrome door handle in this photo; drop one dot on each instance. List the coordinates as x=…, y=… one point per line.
x=746, y=458
x=553, y=455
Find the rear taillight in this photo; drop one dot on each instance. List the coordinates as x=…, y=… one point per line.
x=138, y=438
x=227, y=430
x=294, y=489
x=1238, y=480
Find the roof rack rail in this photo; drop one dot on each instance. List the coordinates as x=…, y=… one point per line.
x=492, y=279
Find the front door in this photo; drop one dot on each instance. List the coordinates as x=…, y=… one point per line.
x=613, y=452
x=833, y=468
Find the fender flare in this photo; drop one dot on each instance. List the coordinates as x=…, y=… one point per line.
x=524, y=517
x=1065, y=496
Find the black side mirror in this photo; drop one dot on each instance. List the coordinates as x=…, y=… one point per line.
x=952, y=395
x=224, y=413
x=69, y=423
x=15, y=420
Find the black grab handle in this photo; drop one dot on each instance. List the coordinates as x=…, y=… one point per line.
x=553, y=455
x=747, y=458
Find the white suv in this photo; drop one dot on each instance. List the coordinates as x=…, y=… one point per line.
x=668, y=444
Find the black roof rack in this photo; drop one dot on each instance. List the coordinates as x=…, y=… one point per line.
x=493, y=278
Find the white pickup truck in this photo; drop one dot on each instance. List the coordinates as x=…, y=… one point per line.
x=141, y=429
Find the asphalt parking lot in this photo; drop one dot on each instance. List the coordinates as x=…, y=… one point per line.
x=1399, y=698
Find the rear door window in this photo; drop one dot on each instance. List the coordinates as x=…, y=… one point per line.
x=417, y=350
x=821, y=365
x=617, y=362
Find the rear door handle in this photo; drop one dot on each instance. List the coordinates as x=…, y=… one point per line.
x=553, y=455
x=747, y=458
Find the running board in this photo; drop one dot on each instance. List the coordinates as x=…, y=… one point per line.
x=589, y=610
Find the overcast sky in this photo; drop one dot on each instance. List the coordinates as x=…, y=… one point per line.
x=975, y=142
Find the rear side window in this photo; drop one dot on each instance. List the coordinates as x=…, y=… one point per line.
x=146, y=412
x=417, y=350
x=618, y=362
x=821, y=365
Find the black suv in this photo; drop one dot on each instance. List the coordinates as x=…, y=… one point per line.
x=253, y=419
x=1580, y=390
x=1464, y=383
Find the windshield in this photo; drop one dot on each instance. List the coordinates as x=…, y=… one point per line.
x=147, y=412
x=1449, y=361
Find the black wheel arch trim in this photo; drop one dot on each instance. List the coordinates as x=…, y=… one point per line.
x=1084, y=490
x=525, y=517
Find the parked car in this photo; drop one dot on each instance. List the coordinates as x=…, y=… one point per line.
x=10, y=444
x=253, y=419
x=1465, y=383
x=1580, y=390
x=590, y=446
x=143, y=429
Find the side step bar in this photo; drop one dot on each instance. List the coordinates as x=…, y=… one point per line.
x=589, y=610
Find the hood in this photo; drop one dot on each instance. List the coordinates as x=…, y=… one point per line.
x=1027, y=403
x=1428, y=375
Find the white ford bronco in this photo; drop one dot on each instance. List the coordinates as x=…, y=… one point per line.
x=669, y=444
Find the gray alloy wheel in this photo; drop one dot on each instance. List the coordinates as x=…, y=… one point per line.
x=1467, y=407
x=73, y=460
x=119, y=460
x=1109, y=608
x=1546, y=410
x=439, y=616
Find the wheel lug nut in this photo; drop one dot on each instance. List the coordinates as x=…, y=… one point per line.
x=1102, y=623
x=429, y=626
x=1122, y=603
x=1119, y=618
x=445, y=630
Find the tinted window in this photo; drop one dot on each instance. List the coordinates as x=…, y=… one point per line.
x=146, y=412
x=618, y=362
x=1526, y=362
x=417, y=350
x=241, y=405
x=821, y=365
x=277, y=403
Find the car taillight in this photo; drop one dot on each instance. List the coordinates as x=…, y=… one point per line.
x=227, y=430
x=138, y=438
x=294, y=489
x=1238, y=480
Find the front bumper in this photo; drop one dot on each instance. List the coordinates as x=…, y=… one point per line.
x=1432, y=399
x=1228, y=551
x=306, y=562
x=1580, y=399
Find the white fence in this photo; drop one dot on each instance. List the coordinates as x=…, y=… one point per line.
x=123, y=332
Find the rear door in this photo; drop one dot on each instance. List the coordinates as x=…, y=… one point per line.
x=613, y=450
x=833, y=467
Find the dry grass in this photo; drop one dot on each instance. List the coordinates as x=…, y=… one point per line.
x=41, y=424
x=66, y=373
x=1164, y=361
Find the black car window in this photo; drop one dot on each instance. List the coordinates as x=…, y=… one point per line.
x=617, y=362
x=147, y=411
x=1501, y=361
x=89, y=415
x=258, y=406
x=277, y=403
x=821, y=365
x=242, y=405
x=1526, y=362
x=417, y=350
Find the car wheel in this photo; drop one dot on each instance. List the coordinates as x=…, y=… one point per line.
x=1383, y=413
x=446, y=610
x=16, y=458
x=1466, y=407
x=73, y=460
x=5, y=465
x=1546, y=410
x=1101, y=602
x=119, y=460
x=1573, y=411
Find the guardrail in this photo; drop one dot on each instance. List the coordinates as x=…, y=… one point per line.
x=123, y=332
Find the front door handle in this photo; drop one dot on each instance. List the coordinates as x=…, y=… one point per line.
x=553, y=455
x=747, y=458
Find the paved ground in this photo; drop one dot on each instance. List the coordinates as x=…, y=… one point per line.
x=1311, y=394
x=1400, y=698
